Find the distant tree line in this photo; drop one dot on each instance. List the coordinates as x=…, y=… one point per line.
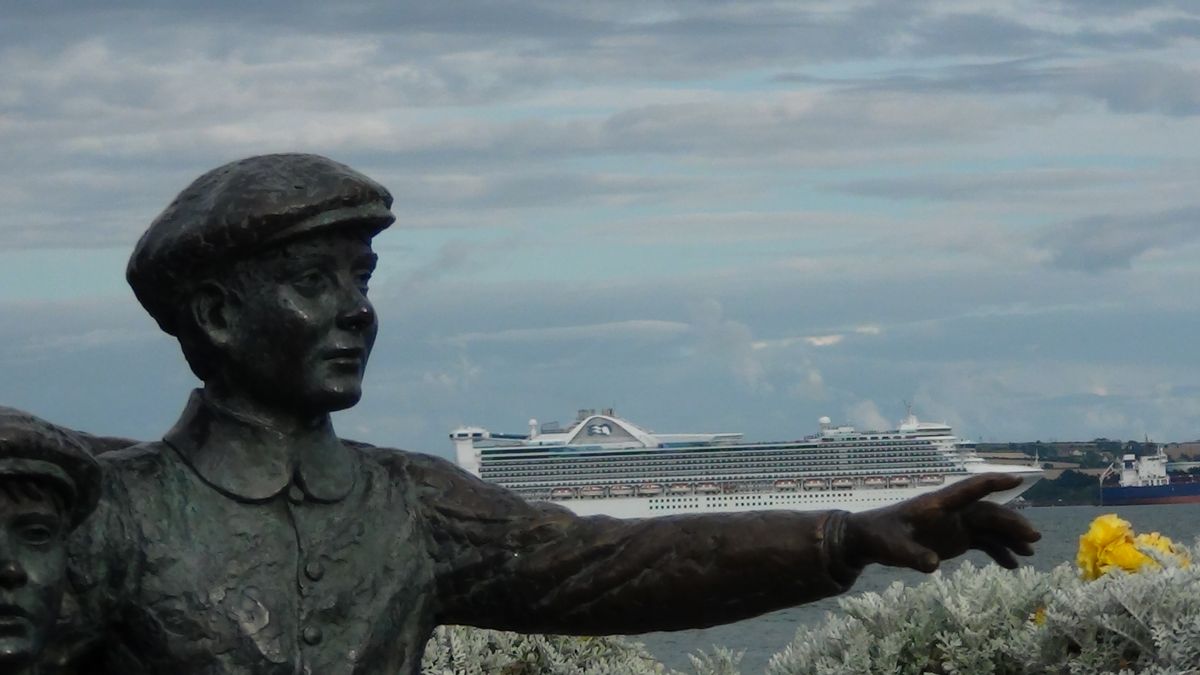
x=1069, y=488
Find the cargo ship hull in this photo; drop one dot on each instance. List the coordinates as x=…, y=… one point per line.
x=1174, y=493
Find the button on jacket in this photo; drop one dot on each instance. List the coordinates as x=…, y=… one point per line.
x=210, y=555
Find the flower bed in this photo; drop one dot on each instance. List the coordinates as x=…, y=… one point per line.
x=459, y=650
x=1132, y=605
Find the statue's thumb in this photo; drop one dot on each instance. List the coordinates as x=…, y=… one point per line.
x=917, y=556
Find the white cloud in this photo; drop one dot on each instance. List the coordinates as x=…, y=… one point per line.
x=728, y=344
x=87, y=340
x=459, y=376
x=865, y=416
x=809, y=384
x=825, y=340
x=635, y=329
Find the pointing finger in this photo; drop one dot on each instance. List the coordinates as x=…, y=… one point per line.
x=1021, y=548
x=998, y=552
x=975, y=488
x=1002, y=521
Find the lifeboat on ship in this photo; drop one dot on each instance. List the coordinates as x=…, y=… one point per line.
x=679, y=489
x=786, y=484
x=649, y=490
x=620, y=491
x=591, y=491
x=931, y=479
x=815, y=484
x=562, y=493
x=707, y=488
x=875, y=482
x=900, y=481
x=843, y=483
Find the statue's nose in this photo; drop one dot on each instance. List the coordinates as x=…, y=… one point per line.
x=358, y=314
x=12, y=574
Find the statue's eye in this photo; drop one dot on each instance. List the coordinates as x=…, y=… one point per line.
x=363, y=280
x=309, y=281
x=37, y=534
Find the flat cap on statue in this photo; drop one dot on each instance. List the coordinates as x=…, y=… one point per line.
x=31, y=447
x=240, y=209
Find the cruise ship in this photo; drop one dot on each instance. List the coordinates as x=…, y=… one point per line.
x=605, y=465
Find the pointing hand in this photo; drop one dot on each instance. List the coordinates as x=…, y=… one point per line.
x=922, y=532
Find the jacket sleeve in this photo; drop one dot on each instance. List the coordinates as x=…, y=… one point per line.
x=501, y=562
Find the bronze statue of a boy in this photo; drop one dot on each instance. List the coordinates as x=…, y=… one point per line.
x=48, y=485
x=252, y=539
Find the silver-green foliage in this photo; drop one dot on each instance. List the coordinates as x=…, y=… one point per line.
x=458, y=650
x=720, y=661
x=977, y=621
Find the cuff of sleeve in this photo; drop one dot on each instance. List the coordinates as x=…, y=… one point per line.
x=834, y=549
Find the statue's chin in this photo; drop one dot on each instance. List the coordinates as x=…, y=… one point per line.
x=14, y=652
x=340, y=399
x=321, y=399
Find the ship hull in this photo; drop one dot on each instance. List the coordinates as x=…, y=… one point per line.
x=854, y=500
x=1179, y=493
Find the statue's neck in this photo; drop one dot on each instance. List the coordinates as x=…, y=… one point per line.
x=287, y=423
x=253, y=456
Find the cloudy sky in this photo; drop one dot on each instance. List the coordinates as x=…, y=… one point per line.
x=712, y=216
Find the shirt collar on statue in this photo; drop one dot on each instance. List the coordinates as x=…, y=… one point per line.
x=252, y=462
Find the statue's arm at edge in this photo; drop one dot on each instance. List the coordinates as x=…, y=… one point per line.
x=501, y=562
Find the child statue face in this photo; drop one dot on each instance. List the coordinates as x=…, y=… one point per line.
x=302, y=328
x=32, y=567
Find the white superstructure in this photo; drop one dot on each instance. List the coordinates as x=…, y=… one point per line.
x=1144, y=471
x=603, y=464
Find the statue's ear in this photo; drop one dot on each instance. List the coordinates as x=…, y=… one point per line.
x=213, y=309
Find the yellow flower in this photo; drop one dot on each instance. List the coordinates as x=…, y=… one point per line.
x=1124, y=555
x=1039, y=617
x=1110, y=544
x=1106, y=532
x=1158, y=542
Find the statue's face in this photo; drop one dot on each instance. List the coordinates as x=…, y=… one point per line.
x=302, y=329
x=32, y=569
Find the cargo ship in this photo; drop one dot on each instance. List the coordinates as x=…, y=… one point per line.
x=605, y=465
x=1146, y=480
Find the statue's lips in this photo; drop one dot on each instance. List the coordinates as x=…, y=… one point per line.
x=14, y=621
x=345, y=355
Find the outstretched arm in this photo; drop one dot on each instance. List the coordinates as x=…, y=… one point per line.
x=504, y=563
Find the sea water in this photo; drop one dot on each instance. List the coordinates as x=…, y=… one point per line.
x=761, y=637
